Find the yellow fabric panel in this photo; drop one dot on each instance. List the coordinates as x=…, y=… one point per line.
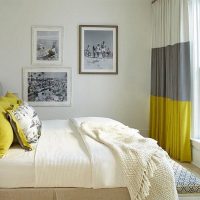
x=157, y=120
x=18, y=132
x=6, y=133
x=14, y=97
x=170, y=123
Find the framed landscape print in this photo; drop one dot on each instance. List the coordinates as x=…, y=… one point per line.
x=47, y=86
x=47, y=45
x=98, y=49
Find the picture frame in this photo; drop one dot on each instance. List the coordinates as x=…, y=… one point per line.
x=47, y=45
x=47, y=86
x=98, y=49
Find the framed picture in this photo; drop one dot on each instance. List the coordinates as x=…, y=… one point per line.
x=47, y=46
x=98, y=49
x=47, y=86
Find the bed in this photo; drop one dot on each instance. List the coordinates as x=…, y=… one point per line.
x=25, y=175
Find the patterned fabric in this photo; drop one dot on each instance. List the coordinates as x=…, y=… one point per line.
x=29, y=122
x=186, y=182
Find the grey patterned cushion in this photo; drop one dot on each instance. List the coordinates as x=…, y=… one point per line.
x=186, y=182
x=29, y=122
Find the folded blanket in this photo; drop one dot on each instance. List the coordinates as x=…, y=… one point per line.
x=140, y=158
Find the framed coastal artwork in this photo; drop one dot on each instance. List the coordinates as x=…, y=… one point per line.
x=47, y=86
x=98, y=49
x=47, y=45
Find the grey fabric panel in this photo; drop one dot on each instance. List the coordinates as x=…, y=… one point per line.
x=170, y=72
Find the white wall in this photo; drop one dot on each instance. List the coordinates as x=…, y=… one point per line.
x=195, y=152
x=125, y=96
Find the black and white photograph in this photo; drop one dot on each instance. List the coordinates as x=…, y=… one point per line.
x=98, y=49
x=47, y=45
x=47, y=86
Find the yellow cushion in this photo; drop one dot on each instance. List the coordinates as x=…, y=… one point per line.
x=14, y=97
x=18, y=131
x=9, y=100
x=6, y=133
x=5, y=104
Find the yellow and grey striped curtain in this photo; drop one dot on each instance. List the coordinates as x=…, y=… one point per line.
x=170, y=107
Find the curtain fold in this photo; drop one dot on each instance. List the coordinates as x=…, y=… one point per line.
x=194, y=22
x=170, y=103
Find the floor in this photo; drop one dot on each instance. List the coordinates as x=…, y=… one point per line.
x=191, y=168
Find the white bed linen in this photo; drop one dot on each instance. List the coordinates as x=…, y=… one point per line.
x=61, y=158
x=106, y=169
x=20, y=168
x=17, y=168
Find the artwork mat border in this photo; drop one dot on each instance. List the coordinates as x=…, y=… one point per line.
x=67, y=103
x=34, y=30
x=81, y=51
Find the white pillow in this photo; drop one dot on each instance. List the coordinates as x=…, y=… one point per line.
x=28, y=121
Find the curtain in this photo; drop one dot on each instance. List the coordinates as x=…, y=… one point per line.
x=194, y=16
x=170, y=103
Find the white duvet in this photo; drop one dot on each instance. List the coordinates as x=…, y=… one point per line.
x=62, y=159
x=66, y=158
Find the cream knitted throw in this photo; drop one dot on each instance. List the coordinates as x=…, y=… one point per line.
x=139, y=158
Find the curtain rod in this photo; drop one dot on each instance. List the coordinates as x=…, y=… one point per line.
x=153, y=1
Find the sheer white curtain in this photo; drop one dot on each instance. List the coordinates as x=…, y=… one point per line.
x=194, y=16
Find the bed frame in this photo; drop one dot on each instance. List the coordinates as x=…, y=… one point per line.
x=74, y=194
x=64, y=194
